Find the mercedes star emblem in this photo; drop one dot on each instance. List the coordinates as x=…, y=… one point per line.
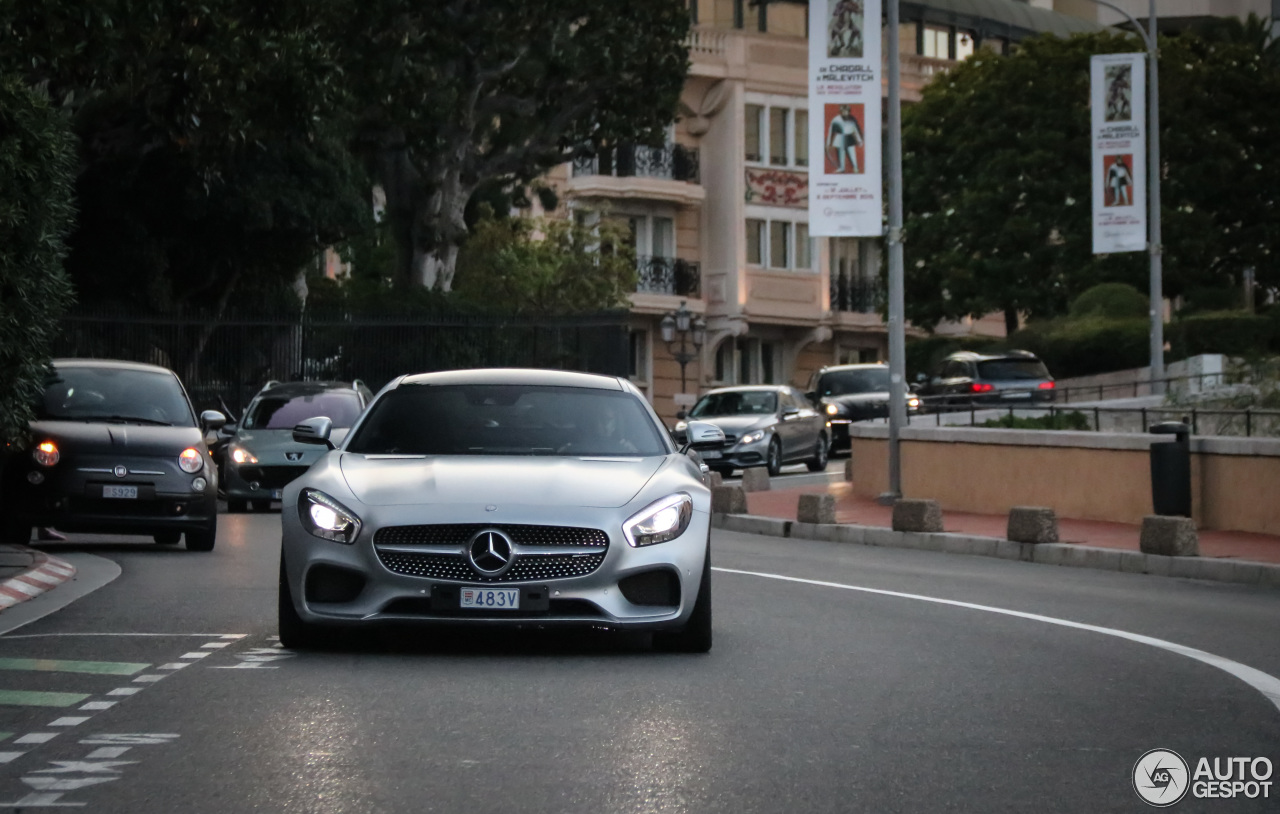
x=491, y=552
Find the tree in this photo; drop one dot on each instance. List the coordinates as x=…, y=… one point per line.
x=463, y=93
x=996, y=177
x=546, y=267
x=36, y=213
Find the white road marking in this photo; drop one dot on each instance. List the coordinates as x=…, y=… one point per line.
x=150, y=678
x=37, y=737
x=125, y=691
x=1264, y=683
x=174, y=665
x=143, y=635
x=215, y=645
x=76, y=721
x=86, y=767
x=97, y=705
x=9, y=757
x=129, y=739
x=196, y=655
x=233, y=635
x=108, y=752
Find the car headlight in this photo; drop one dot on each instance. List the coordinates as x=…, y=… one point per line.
x=243, y=456
x=682, y=425
x=46, y=453
x=913, y=403
x=832, y=409
x=326, y=518
x=190, y=460
x=752, y=437
x=660, y=521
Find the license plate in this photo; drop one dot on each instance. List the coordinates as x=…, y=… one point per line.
x=1017, y=394
x=710, y=454
x=126, y=492
x=275, y=493
x=490, y=598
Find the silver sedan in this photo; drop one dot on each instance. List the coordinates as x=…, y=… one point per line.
x=502, y=498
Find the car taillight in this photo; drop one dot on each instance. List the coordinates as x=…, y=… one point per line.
x=979, y=387
x=46, y=453
x=1046, y=385
x=191, y=460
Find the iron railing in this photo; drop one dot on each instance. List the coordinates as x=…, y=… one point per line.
x=223, y=363
x=674, y=162
x=855, y=294
x=1247, y=422
x=667, y=275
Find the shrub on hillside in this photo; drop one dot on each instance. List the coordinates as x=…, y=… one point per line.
x=1111, y=300
x=1074, y=420
x=36, y=213
x=1234, y=333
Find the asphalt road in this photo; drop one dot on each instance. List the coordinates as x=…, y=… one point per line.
x=847, y=687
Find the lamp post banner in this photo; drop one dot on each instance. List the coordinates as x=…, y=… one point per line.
x=845, y=176
x=1117, y=102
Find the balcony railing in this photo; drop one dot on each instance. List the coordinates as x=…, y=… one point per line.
x=668, y=275
x=854, y=294
x=673, y=162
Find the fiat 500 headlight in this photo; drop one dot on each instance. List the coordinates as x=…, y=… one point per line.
x=660, y=521
x=752, y=437
x=326, y=518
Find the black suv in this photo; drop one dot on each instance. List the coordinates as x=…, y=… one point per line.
x=966, y=378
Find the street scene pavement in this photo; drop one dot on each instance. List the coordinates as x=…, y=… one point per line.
x=843, y=678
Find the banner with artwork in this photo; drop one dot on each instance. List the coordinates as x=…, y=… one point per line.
x=1117, y=104
x=844, y=116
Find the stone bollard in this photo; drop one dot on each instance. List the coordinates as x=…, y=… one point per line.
x=1032, y=524
x=755, y=479
x=715, y=479
x=848, y=470
x=728, y=500
x=1169, y=536
x=816, y=508
x=917, y=515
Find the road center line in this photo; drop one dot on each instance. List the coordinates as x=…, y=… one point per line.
x=1264, y=683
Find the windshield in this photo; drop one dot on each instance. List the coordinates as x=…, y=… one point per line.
x=853, y=382
x=115, y=394
x=737, y=402
x=284, y=412
x=999, y=369
x=507, y=420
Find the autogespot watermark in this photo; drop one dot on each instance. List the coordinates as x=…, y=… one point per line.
x=1162, y=778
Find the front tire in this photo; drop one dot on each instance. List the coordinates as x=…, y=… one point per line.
x=773, y=460
x=819, y=460
x=203, y=539
x=295, y=634
x=695, y=636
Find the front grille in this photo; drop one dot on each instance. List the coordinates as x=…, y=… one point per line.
x=272, y=477
x=456, y=567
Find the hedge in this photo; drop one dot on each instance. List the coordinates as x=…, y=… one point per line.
x=1234, y=333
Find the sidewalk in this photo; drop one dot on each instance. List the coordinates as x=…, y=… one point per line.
x=26, y=573
x=850, y=508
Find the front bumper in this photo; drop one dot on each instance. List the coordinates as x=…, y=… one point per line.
x=351, y=585
x=258, y=482
x=741, y=456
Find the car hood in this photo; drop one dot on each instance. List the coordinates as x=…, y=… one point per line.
x=126, y=439
x=258, y=440
x=737, y=424
x=500, y=480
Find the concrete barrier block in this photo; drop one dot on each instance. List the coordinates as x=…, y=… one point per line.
x=1032, y=524
x=816, y=508
x=728, y=500
x=1169, y=536
x=849, y=533
x=715, y=479
x=911, y=514
x=755, y=479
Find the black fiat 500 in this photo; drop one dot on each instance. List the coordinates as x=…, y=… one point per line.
x=115, y=448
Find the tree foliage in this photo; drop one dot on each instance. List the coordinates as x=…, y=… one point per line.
x=36, y=213
x=996, y=177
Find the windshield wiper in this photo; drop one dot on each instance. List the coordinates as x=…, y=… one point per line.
x=122, y=418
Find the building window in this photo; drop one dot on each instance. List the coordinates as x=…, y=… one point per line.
x=724, y=361
x=638, y=368
x=802, y=138
x=778, y=135
x=755, y=242
x=779, y=244
x=907, y=38
x=693, y=12
x=752, y=128
x=804, y=247
x=739, y=13
x=936, y=42
x=763, y=18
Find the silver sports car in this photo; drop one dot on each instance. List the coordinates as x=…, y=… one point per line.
x=532, y=498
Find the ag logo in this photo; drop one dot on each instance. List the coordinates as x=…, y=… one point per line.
x=1161, y=777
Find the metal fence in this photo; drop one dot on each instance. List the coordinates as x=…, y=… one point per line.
x=1247, y=422
x=224, y=362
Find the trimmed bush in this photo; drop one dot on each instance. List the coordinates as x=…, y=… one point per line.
x=1111, y=300
x=1234, y=333
x=1083, y=347
x=37, y=157
x=1074, y=420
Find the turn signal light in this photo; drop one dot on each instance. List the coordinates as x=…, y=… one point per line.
x=46, y=453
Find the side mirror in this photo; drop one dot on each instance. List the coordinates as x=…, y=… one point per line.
x=704, y=435
x=314, y=431
x=212, y=420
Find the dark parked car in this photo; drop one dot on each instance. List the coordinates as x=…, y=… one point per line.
x=849, y=393
x=966, y=378
x=764, y=425
x=117, y=449
x=261, y=456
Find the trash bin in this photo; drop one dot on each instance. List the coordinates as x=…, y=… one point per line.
x=1171, y=470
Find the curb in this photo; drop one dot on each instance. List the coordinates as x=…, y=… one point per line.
x=46, y=572
x=1068, y=554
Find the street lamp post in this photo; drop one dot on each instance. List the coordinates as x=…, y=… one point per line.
x=689, y=330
